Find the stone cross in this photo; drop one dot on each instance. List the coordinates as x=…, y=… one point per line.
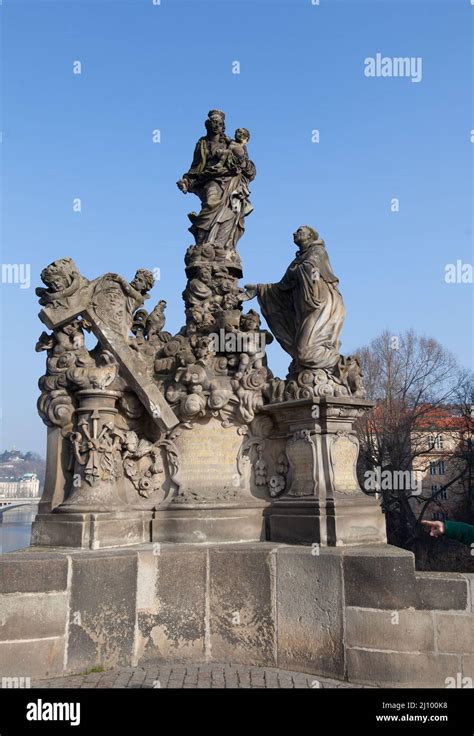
x=103, y=304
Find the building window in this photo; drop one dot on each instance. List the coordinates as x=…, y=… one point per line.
x=441, y=494
x=438, y=468
x=439, y=516
x=435, y=442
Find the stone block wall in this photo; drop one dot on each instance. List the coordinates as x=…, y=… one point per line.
x=362, y=614
x=34, y=613
x=407, y=628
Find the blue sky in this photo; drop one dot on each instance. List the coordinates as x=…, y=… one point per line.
x=148, y=67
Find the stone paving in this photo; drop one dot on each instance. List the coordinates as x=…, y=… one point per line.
x=191, y=676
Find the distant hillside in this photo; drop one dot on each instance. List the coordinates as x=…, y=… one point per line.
x=14, y=464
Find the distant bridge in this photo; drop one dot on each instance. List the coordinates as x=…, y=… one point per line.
x=12, y=503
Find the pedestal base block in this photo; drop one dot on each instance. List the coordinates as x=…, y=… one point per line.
x=322, y=502
x=201, y=524
x=91, y=531
x=344, y=521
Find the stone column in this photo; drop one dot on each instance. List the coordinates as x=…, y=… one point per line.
x=322, y=502
x=97, y=458
x=94, y=513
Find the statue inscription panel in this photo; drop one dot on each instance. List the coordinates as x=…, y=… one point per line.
x=208, y=463
x=344, y=451
x=301, y=455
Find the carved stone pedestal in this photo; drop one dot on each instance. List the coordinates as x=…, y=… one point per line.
x=215, y=501
x=322, y=501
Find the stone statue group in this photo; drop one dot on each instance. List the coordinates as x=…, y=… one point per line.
x=305, y=310
x=144, y=383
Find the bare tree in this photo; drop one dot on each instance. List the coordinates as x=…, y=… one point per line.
x=410, y=378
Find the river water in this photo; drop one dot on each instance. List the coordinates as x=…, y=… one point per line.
x=15, y=528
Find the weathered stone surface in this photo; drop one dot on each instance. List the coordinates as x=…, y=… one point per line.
x=102, y=609
x=40, y=615
x=442, y=591
x=55, y=530
x=295, y=523
x=252, y=604
x=32, y=572
x=310, y=610
x=468, y=667
x=119, y=532
x=55, y=481
x=91, y=531
x=379, y=577
x=242, y=614
x=470, y=579
x=355, y=519
x=207, y=524
x=33, y=657
x=455, y=633
x=401, y=669
x=401, y=631
x=171, y=616
x=147, y=576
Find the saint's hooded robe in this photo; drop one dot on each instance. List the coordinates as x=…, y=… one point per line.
x=305, y=310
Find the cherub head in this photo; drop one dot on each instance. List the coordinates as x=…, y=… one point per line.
x=60, y=274
x=250, y=322
x=230, y=301
x=71, y=327
x=242, y=136
x=143, y=281
x=204, y=348
x=205, y=275
x=227, y=285
x=131, y=441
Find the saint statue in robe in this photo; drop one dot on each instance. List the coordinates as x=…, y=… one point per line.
x=305, y=310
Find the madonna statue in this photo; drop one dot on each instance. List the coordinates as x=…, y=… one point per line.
x=220, y=174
